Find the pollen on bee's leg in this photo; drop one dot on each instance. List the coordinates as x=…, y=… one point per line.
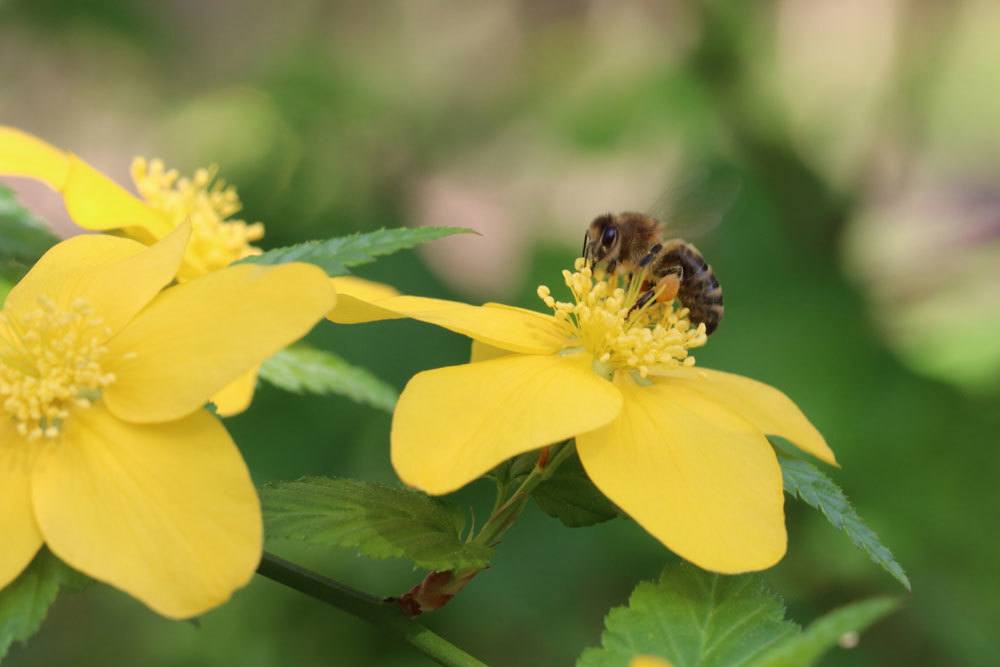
x=668, y=287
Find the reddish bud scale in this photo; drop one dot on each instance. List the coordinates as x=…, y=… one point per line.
x=434, y=592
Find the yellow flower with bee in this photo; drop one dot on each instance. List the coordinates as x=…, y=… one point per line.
x=97, y=203
x=679, y=448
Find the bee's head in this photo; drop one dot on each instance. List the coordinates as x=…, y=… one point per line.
x=602, y=242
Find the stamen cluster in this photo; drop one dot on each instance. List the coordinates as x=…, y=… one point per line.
x=50, y=362
x=207, y=202
x=604, y=320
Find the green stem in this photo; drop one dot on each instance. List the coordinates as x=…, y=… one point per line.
x=382, y=614
x=439, y=587
x=507, y=511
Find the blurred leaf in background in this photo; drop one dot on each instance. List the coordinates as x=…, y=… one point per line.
x=926, y=246
x=23, y=238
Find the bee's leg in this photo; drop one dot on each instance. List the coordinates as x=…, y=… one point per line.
x=669, y=285
x=612, y=265
x=651, y=255
x=584, y=253
x=643, y=299
x=665, y=290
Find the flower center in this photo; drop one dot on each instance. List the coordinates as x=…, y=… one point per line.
x=207, y=202
x=50, y=363
x=621, y=331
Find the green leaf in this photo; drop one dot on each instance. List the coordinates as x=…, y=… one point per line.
x=23, y=238
x=25, y=601
x=805, y=481
x=699, y=619
x=379, y=521
x=694, y=619
x=570, y=496
x=302, y=369
x=804, y=649
x=11, y=272
x=4, y=289
x=336, y=255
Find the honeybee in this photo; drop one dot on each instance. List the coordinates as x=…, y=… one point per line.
x=627, y=243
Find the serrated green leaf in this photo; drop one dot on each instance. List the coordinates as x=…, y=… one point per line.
x=804, y=649
x=336, y=255
x=803, y=480
x=378, y=520
x=694, y=619
x=25, y=601
x=302, y=369
x=570, y=496
x=23, y=238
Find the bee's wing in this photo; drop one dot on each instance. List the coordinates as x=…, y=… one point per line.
x=695, y=202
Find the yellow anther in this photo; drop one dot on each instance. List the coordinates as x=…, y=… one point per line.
x=50, y=363
x=207, y=202
x=603, y=320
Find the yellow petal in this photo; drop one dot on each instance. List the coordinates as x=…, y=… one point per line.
x=482, y=352
x=21, y=538
x=197, y=337
x=96, y=202
x=760, y=404
x=93, y=200
x=235, y=397
x=140, y=234
x=515, y=329
x=355, y=297
x=22, y=154
x=453, y=424
x=116, y=276
x=166, y=513
x=700, y=479
x=58, y=270
x=366, y=290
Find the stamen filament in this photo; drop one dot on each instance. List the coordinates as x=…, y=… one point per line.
x=606, y=320
x=50, y=364
x=208, y=203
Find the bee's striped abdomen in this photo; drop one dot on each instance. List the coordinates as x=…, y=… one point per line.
x=700, y=291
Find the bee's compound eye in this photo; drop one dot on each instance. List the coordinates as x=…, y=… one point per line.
x=608, y=236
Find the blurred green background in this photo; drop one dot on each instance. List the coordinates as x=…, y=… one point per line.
x=861, y=264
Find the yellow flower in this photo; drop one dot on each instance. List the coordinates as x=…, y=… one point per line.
x=106, y=454
x=680, y=449
x=97, y=203
x=208, y=203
